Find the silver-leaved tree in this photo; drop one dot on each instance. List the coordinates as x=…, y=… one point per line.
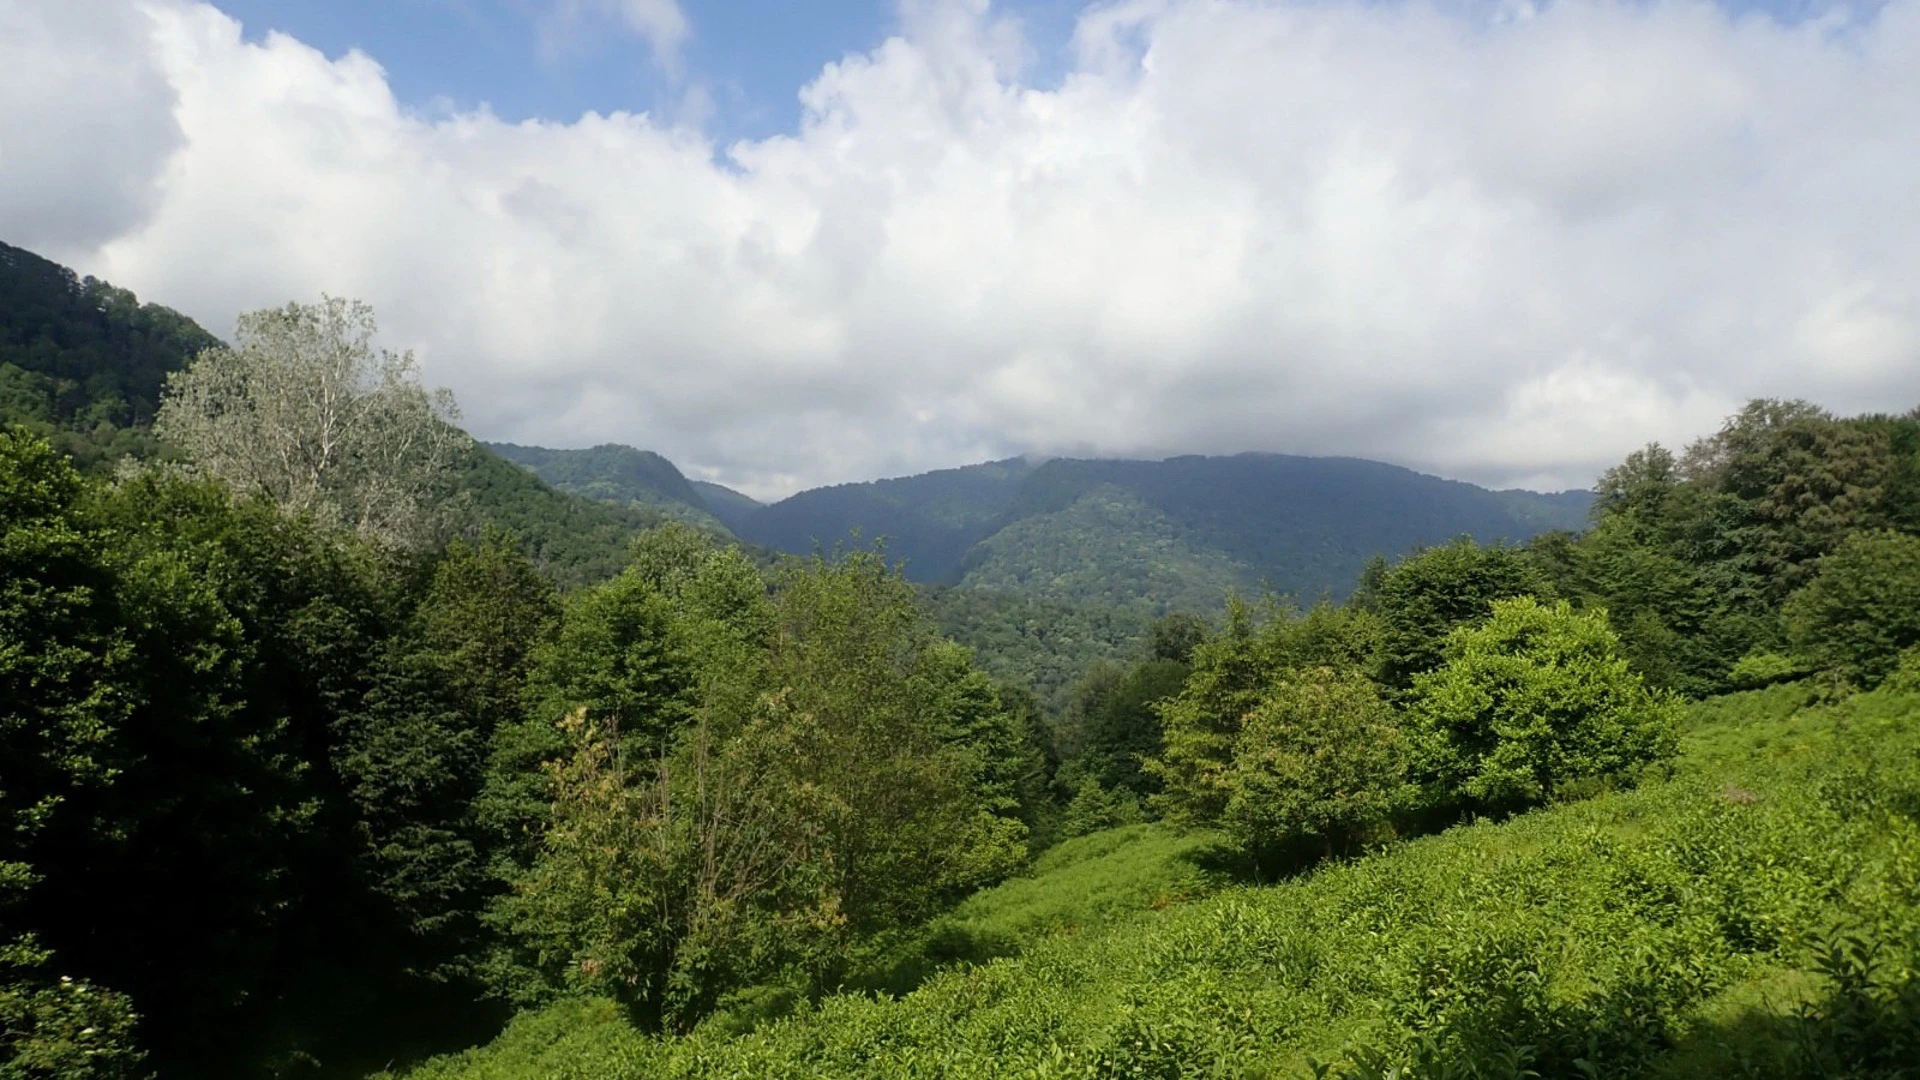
x=306, y=412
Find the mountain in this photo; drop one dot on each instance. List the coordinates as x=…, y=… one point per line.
x=1174, y=534
x=618, y=474
x=1169, y=533
x=931, y=520
x=83, y=364
x=730, y=506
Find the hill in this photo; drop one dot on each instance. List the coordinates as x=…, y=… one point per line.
x=730, y=506
x=1157, y=535
x=1755, y=914
x=83, y=363
x=617, y=474
x=931, y=520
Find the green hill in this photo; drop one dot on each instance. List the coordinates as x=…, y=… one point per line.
x=83, y=363
x=1755, y=914
x=617, y=474
x=730, y=506
x=1159, y=535
x=930, y=520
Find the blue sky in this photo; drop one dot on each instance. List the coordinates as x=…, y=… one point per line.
x=751, y=57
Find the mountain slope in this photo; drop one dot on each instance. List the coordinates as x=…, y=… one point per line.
x=930, y=520
x=83, y=362
x=1697, y=926
x=731, y=507
x=1178, y=533
x=1299, y=525
x=617, y=474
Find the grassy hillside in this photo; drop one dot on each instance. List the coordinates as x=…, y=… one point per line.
x=1755, y=913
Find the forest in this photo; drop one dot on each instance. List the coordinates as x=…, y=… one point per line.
x=336, y=744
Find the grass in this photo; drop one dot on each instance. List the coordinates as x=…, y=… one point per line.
x=1695, y=926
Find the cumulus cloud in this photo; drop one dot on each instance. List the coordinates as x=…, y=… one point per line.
x=86, y=122
x=1506, y=244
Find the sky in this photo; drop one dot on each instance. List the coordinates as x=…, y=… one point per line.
x=795, y=244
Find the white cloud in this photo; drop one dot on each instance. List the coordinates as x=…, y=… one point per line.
x=1507, y=245
x=86, y=120
x=568, y=24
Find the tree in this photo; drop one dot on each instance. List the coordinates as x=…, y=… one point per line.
x=1426, y=595
x=1230, y=673
x=1319, y=760
x=1536, y=697
x=62, y=708
x=1862, y=607
x=307, y=413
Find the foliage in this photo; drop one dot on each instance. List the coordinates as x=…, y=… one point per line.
x=1231, y=672
x=82, y=363
x=1862, y=606
x=744, y=787
x=1684, y=928
x=1112, y=726
x=304, y=412
x=1532, y=701
x=1320, y=760
x=1044, y=645
x=1425, y=596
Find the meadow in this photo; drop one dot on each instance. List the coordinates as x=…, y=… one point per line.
x=1752, y=911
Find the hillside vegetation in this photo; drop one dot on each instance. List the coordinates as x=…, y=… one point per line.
x=1756, y=913
x=620, y=475
x=331, y=742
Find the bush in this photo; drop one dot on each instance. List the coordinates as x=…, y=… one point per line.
x=1534, y=698
x=1861, y=608
x=1319, y=760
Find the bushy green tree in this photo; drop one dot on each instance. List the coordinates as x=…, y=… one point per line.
x=1862, y=606
x=1426, y=595
x=1320, y=760
x=1112, y=726
x=413, y=755
x=1535, y=698
x=1231, y=672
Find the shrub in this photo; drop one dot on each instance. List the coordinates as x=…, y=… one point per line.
x=1862, y=606
x=1318, y=760
x=1534, y=698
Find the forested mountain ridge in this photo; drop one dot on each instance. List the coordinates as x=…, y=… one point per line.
x=1177, y=533
x=617, y=474
x=83, y=364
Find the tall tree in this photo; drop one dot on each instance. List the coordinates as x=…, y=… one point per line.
x=305, y=411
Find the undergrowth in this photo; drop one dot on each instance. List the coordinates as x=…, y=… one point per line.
x=1756, y=914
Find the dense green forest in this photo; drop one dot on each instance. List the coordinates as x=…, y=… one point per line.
x=1152, y=535
x=338, y=755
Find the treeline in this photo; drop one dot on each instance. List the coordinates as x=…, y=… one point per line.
x=304, y=773
x=1473, y=679
x=300, y=773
